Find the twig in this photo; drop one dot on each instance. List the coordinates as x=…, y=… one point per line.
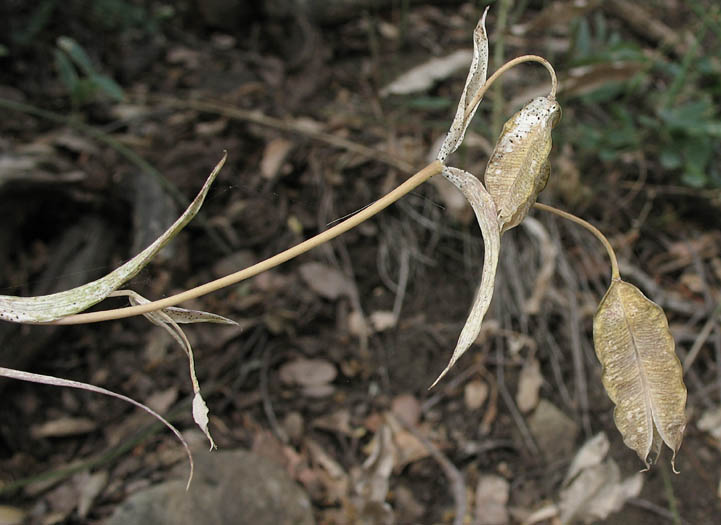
x=267, y=405
x=701, y=339
x=513, y=409
x=656, y=509
x=574, y=328
x=549, y=251
x=402, y=282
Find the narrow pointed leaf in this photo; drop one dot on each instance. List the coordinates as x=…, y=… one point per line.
x=164, y=320
x=46, y=308
x=184, y=316
x=475, y=80
x=486, y=215
x=518, y=168
x=641, y=372
x=68, y=383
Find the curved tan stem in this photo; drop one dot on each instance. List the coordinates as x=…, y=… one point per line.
x=410, y=184
x=615, y=274
x=505, y=67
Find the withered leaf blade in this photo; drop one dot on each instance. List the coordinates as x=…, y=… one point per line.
x=475, y=80
x=641, y=372
x=168, y=319
x=518, y=168
x=46, y=308
x=486, y=215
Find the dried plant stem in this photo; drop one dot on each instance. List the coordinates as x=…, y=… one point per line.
x=505, y=67
x=615, y=275
x=409, y=185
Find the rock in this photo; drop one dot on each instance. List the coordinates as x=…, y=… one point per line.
x=228, y=488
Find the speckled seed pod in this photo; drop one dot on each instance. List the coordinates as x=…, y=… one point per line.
x=518, y=168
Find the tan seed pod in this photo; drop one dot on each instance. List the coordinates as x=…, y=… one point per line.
x=641, y=372
x=518, y=168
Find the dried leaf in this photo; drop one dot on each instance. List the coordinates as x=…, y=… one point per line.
x=423, y=76
x=46, y=308
x=641, y=372
x=89, y=487
x=11, y=515
x=591, y=453
x=475, y=80
x=485, y=210
x=274, y=156
x=597, y=492
x=518, y=168
x=407, y=408
x=474, y=394
x=68, y=383
x=328, y=282
x=168, y=319
x=65, y=426
x=529, y=385
x=492, y=494
x=308, y=372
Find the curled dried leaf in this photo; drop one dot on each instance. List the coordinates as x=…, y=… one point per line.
x=168, y=319
x=519, y=168
x=69, y=383
x=486, y=214
x=641, y=372
x=46, y=308
x=474, y=82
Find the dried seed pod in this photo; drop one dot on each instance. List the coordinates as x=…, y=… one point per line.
x=518, y=168
x=641, y=373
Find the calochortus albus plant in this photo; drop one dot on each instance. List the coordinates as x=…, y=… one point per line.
x=641, y=372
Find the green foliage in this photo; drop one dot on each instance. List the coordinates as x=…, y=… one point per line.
x=680, y=125
x=77, y=73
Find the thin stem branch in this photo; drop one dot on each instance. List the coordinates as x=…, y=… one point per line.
x=615, y=274
x=409, y=185
x=505, y=67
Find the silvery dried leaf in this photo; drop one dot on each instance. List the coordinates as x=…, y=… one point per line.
x=423, y=76
x=475, y=80
x=168, y=319
x=591, y=453
x=487, y=216
x=68, y=383
x=596, y=492
x=518, y=168
x=641, y=372
x=46, y=308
